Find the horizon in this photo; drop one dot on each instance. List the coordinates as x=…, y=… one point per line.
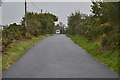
x=62, y=12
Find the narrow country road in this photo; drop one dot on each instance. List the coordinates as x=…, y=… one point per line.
x=58, y=57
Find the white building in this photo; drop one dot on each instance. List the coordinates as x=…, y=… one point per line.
x=57, y=31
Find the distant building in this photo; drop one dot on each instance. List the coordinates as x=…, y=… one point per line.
x=57, y=31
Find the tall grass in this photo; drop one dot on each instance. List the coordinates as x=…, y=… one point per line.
x=108, y=58
x=17, y=50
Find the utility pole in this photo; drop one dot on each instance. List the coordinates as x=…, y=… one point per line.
x=25, y=13
x=41, y=11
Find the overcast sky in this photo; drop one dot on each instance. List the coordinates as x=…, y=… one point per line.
x=12, y=12
x=0, y=15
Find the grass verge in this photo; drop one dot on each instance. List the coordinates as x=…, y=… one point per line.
x=108, y=58
x=18, y=49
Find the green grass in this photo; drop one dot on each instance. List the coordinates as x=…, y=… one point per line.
x=108, y=58
x=17, y=50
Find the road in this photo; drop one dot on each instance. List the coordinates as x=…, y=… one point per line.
x=58, y=57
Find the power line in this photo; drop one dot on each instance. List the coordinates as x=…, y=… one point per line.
x=35, y=5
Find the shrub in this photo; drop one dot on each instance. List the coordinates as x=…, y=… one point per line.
x=37, y=24
x=104, y=40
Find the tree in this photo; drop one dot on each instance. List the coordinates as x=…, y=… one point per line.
x=1, y=2
x=60, y=27
x=37, y=24
x=96, y=8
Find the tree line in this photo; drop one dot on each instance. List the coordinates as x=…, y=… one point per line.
x=102, y=24
x=37, y=24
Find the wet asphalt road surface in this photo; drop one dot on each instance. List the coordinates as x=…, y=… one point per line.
x=58, y=57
